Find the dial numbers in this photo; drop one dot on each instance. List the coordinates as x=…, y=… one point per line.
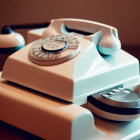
x=54, y=49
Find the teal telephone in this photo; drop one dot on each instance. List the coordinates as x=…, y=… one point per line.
x=81, y=75
x=73, y=67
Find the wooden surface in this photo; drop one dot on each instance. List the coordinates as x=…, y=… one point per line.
x=8, y=132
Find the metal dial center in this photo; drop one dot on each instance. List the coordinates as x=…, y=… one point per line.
x=54, y=46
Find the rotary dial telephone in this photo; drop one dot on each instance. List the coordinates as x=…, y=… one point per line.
x=70, y=66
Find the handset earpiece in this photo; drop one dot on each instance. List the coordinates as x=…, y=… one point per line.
x=10, y=39
x=107, y=42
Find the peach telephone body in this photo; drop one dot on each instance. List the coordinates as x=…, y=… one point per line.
x=70, y=67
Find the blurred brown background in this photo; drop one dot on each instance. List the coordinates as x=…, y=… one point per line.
x=122, y=14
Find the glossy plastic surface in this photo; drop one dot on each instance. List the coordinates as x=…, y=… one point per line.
x=11, y=40
x=46, y=117
x=87, y=73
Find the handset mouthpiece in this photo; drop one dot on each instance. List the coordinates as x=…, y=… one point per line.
x=109, y=43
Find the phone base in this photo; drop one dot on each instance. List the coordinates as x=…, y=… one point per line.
x=120, y=69
x=43, y=116
x=80, y=79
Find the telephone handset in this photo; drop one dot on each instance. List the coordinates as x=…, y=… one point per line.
x=60, y=46
x=104, y=36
